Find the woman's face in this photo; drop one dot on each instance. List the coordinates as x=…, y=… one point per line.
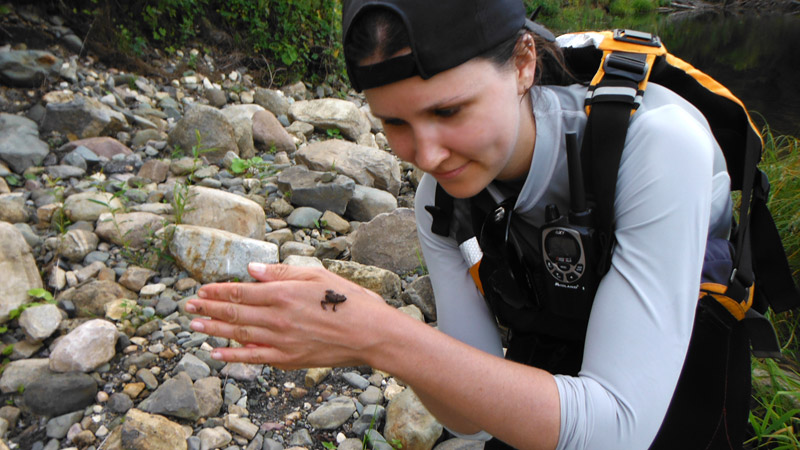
x=465, y=126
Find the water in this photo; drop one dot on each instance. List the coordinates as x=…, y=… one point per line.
x=757, y=57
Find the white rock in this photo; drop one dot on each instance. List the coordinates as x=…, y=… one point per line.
x=39, y=322
x=86, y=348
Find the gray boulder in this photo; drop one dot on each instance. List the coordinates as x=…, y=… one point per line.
x=217, y=135
x=175, y=397
x=389, y=241
x=27, y=68
x=368, y=202
x=272, y=100
x=318, y=190
x=20, y=145
x=85, y=348
x=83, y=116
x=60, y=393
x=367, y=166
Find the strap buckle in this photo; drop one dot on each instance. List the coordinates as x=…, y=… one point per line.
x=637, y=37
x=632, y=66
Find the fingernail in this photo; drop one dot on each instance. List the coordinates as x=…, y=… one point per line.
x=196, y=325
x=191, y=308
x=201, y=293
x=257, y=268
x=216, y=355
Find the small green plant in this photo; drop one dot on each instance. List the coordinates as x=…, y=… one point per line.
x=329, y=445
x=255, y=167
x=422, y=269
x=334, y=133
x=41, y=294
x=13, y=180
x=192, y=63
x=198, y=150
x=20, y=388
x=180, y=198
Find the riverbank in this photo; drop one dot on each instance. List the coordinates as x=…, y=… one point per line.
x=109, y=184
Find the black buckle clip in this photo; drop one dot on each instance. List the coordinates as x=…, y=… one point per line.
x=637, y=37
x=632, y=66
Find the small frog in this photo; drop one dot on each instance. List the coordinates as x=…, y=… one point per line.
x=332, y=298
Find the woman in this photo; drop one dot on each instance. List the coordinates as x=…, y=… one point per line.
x=454, y=84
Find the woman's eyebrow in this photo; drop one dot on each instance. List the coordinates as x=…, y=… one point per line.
x=439, y=104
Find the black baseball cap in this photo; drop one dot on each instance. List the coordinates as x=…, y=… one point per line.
x=442, y=35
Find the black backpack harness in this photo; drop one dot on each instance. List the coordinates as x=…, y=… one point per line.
x=542, y=290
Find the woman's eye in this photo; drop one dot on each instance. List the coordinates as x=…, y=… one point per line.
x=447, y=112
x=393, y=122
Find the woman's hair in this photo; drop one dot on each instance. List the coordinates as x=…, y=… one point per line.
x=379, y=33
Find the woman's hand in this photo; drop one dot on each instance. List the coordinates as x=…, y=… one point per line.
x=287, y=318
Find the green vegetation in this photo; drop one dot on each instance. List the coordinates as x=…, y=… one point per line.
x=253, y=167
x=294, y=40
x=775, y=415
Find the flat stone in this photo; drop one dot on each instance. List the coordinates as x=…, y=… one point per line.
x=211, y=255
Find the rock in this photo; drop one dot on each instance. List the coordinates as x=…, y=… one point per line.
x=334, y=222
x=232, y=394
x=301, y=439
x=20, y=145
x=39, y=322
x=59, y=394
x=408, y=421
x=420, y=294
x=274, y=101
x=224, y=211
x=216, y=97
x=371, y=417
x=119, y=403
x=211, y=255
x=240, y=116
x=217, y=136
x=83, y=116
x=302, y=261
x=367, y=166
x=308, y=188
x=332, y=414
x=356, y=380
x=315, y=375
x=12, y=209
x=460, y=444
x=76, y=244
x=90, y=299
x=333, y=248
x=142, y=431
x=135, y=277
x=397, y=250
x=154, y=170
x=27, y=68
x=65, y=172
x=303, y=217
x=296, y=249
x=129, y=229
x=369, y=202
x=57, y=427
x=175, y=397
x=216, y=437
x=23, y=373
x=241, y=426
x=372, y=395
x=85, y=206
x=269, y=134
x=331, y=113
x=19, y=270
x=242, y=371
x=100, y=147
x=207, y=390
x=381, y=281
x=195, y=368
x=86, y=348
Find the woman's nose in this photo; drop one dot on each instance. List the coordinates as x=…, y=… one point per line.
x=430, y=152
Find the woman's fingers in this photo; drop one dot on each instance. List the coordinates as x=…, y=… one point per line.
x=235, y=314
x=244, y=334
x=282, y=272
